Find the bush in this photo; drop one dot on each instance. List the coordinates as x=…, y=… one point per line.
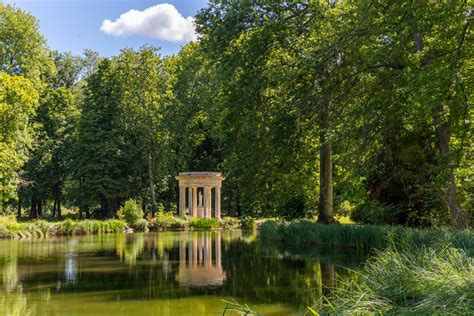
x=374, y=213
x=400, y=282
x=204, y=223
x=230, y=222
x=141, y=225
x=130, y=212
x=167, y=220
x=293, y=208
x=247, y=222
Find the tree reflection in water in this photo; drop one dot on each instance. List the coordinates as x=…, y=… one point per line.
x=39, y=276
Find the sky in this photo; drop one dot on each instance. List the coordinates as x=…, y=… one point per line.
x=107, y=26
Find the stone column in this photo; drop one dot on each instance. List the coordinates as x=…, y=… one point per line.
x=182, y=199
x=209, y=202
x=190, y=200
x=218, y=202
x=194, y=203
x=206, y=198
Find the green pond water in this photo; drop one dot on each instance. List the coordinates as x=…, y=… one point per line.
x=165, y=273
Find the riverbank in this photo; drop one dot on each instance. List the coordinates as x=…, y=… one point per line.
x=11, y=228
x=398, y=281
x=304, y=233
x=409, y=271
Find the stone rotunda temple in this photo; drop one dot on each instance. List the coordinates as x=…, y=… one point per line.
x=196, y=189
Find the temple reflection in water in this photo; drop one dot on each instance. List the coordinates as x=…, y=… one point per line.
x=200, y=261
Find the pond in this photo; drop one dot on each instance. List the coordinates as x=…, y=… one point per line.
x=165, y=273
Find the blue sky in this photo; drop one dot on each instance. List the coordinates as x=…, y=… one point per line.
x=74, y=25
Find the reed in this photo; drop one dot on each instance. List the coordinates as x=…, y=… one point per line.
x=10, y=228
x=399, y=281
x=362, y=237
x=203, y=223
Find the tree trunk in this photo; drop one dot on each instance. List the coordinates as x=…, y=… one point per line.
x=325, y=171
x=33, y=213
x=152, y=185
x=40, y=208
x=459, y=218
x=18, y=211
x=53, y=214
x=58, y=206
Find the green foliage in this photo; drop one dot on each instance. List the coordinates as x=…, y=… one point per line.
x=140, y=225
x=362, y=237
x=10, y=228
x=373, y=213
x=167, y=220
x=203, y=223
x=235, y=308
x=247, y=222
x=131, y=212
x=24, y=51
x=18, y=102
x=401, y=281
x=379, y=97
x=230, y=222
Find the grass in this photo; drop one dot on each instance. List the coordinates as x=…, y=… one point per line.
x=361, y=237
x=166, y=220
x=10, y=228
x=424, y=281
x=203, y=223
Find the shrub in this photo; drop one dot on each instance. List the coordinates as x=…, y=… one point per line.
x=247, y=222
x=204, y=223
x=167, y=220
x=141, y=225
x=374, y=213
x=294, y=207
x=130, y=212
x=400, y=282
x=230, y=222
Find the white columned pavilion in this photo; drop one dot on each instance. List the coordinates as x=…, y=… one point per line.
x=198, y=186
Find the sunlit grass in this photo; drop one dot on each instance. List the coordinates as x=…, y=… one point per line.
x=397, y=281
x=362, y=237
x=10, y=228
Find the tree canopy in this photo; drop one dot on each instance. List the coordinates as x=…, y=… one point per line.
x=310, y=109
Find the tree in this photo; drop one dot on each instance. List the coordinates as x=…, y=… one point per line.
x=18, y=103
x=145, y=97
x=101, y=169
x=23, y=51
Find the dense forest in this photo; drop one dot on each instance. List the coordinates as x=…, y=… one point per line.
x=309, y=108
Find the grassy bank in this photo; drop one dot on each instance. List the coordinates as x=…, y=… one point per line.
x=10, y=228
x=423, y=282
x=361, y=237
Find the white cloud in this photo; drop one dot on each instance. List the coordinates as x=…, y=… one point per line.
x=161, y=21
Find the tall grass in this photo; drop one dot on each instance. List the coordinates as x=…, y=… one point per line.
x=422, y=282
x=9, y=228
x=203, y=223
x=362, y=237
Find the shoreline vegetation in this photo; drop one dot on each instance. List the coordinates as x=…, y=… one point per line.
x=10, y=228
x=307, y=233
x=406, y=280
x=410, y=270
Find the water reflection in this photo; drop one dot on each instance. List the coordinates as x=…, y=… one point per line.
x=200, y=262
x=173, y=269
